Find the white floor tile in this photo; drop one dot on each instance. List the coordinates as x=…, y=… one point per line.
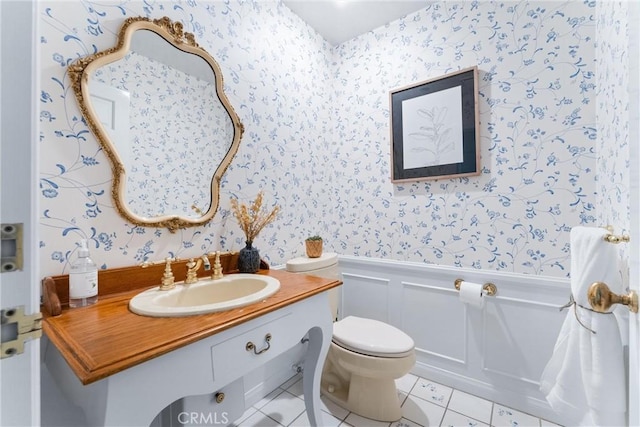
x=432, y=392
x=454, y=419
x=402, y=396
x=330, y=407
x=406, y=383
x=357, y=421
x=404, y=423
x=507, y=417
x=422, y=411
x=258, y=419
x=471, y=406
x=284, y=408
x=425, y=403
x=296, y=389
x=244, y=416
x=268, y=398
x=327, y=420
x=288, y=383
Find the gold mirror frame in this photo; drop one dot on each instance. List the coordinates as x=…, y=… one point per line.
x=80, y=72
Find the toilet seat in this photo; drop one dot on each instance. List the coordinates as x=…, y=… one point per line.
x=371, y=337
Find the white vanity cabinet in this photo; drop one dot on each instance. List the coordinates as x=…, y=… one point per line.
x=137, y=394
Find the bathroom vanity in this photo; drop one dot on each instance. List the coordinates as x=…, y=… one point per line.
x=123, y=369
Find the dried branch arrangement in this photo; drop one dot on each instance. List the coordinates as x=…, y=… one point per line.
x=254, y=218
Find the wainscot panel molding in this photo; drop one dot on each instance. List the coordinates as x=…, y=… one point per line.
x=376, y=290
x=497, y=352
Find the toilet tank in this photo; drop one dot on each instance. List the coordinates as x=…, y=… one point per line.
x=325, y=266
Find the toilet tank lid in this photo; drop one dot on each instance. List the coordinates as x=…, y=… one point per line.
x=302, y=264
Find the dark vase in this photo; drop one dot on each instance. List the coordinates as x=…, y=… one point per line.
x=248, y=259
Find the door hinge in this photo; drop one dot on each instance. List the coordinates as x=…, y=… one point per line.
x=18, y=328
x=11, y=236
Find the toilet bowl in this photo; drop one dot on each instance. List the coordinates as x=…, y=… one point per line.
x=365, y=357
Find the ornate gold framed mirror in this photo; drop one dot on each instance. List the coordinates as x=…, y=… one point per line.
x=156, y=104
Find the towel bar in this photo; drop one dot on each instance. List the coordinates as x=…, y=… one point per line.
x=615, y=238
x=601, y=298
x=488, y=287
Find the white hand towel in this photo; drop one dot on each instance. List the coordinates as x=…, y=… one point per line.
x=584, y=381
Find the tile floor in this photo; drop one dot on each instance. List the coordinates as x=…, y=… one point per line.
x=425, y=403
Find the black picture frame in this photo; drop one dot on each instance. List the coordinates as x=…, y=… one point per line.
x=434, y=128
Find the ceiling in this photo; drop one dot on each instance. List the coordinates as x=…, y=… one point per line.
x=341, y=20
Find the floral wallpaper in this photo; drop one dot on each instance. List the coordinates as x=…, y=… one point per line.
x=276, y=75
x=613, y=115
x=317, y=131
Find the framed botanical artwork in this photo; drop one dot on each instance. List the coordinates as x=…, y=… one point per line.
x=434, y=128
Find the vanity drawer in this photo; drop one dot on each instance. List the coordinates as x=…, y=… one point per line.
x=245, y=352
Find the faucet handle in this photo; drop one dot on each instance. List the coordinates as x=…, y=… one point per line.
x=217, y=267
x=192, y=271
x=167, y=278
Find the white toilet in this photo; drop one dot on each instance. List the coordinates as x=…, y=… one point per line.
x=366, y=356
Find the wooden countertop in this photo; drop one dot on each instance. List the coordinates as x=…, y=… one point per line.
x=106, y=338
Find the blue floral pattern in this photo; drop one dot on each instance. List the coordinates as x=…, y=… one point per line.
x=316, y=135
x=613, y=116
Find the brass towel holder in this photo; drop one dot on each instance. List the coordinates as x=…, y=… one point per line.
x=601, y=298
x=615, y=238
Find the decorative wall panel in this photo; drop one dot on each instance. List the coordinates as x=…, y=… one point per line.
x=505, y=342
x=366, y=296
x=437, y=320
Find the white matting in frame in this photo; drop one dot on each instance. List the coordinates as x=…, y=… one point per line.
x=434, y=128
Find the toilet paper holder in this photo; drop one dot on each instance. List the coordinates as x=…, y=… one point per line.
x=489, y=288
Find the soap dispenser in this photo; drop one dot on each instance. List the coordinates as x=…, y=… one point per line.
x=83, y=279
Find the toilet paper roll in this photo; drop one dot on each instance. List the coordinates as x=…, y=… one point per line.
x=471, y=294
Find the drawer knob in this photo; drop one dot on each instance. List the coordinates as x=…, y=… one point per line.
x=219, y=397
x=251, y=346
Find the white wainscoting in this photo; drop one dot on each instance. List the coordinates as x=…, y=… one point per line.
x=497, y=352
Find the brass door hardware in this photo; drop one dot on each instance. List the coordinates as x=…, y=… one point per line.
x=601, y=298
x=251, y=346
x=18, y=328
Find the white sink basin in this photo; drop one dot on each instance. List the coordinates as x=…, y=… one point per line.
x=205, y=296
